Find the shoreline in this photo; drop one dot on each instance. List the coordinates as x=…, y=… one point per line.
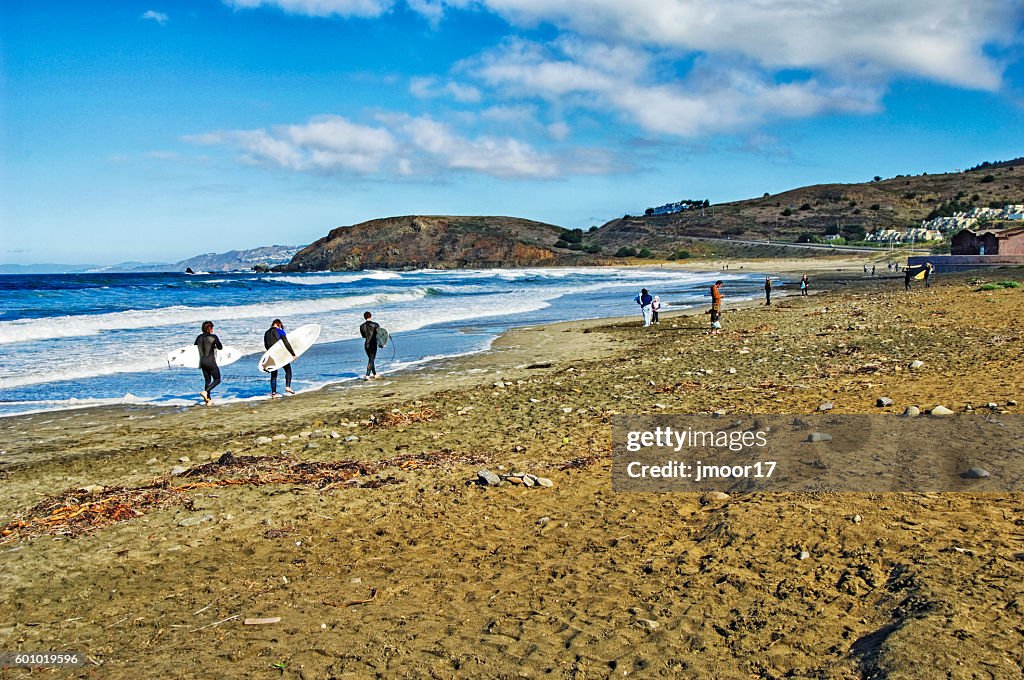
x=778, y=267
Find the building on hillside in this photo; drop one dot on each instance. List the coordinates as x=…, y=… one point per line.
x=904, y=236
x=989, y=242
x=969, y=218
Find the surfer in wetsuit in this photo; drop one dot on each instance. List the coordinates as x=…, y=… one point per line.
x=368, y=330
x=270, y=338
x=208, y=343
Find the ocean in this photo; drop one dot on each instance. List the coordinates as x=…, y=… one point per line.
x=76, y=340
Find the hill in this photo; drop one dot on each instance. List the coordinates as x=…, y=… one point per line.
x=239, y=260
x=439, y=242
x=899, y=202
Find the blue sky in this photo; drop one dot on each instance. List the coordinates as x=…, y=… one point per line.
x=154, y=131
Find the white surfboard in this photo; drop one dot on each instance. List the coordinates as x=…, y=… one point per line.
x=188, y=357
x=278, y=356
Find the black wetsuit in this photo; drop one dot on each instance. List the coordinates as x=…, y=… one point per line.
x=207, y=343
x=368, y=330
x=272, y=335
x=768, y=291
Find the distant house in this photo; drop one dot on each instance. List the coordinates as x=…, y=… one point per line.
x=989, y=242
x=832, y=237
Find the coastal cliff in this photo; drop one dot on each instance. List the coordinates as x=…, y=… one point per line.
x=438, y=242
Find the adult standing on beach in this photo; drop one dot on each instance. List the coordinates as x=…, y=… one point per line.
x=208, y=343
x=716, y=308
x=368, y=330
x=804, y=284
x=768, y=290
x=645, y=301
x=270, y=338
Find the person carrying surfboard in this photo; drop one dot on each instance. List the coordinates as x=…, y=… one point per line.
x=270, y=338
x=208, y=343
x=368, y=331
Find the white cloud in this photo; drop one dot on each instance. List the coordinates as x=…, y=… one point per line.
x=710, y=99
x=326, y=143
x=942, y=40
x=496, y=156
x=158, y=17
x=402, y=145
x=320, y=8
x=559, y=131
x=429, y=88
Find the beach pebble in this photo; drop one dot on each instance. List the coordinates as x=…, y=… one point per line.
x=534, y=401
x=351, y=438
x=1011, y=403
x=883, y=401
x=335, y=435
x=499, y=384
x=819, y=437
x=992, y=405
x=512, y=479
x=567, y=409
x=312, y=445
x=977, y=473
x=719, y=412
x=488, y=478
x=184, y=459
x=940, y=411
x=827, y=406
x=648, y=624
x=529, y=480
x=803, y=555
x=857, y=519
x=543, y=520
x=544, y=481
x=260, y=441
x=194, y=520
x=917, y=363
x=152, y=461
x=713, y=497
x=178, y=470
x=911, y=412
x=731, y=371
x=93, y=488
x=279, y=437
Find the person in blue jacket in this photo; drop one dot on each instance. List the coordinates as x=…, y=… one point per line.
x=645, y=300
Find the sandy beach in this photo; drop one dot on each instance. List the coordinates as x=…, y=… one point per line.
x=351, y=515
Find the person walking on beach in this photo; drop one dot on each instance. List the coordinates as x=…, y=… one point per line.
x=270, y=338
x=804, y=283
x=368, y=331
x=768, y=290
x=655, y=308
x=645, y=300
x=208, y=343
x=716, y=308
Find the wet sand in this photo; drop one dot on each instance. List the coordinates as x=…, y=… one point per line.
x=569, y=581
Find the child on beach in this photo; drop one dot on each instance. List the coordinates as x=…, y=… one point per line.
x=804, y=283
x=655, y=308
x=208, y=343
